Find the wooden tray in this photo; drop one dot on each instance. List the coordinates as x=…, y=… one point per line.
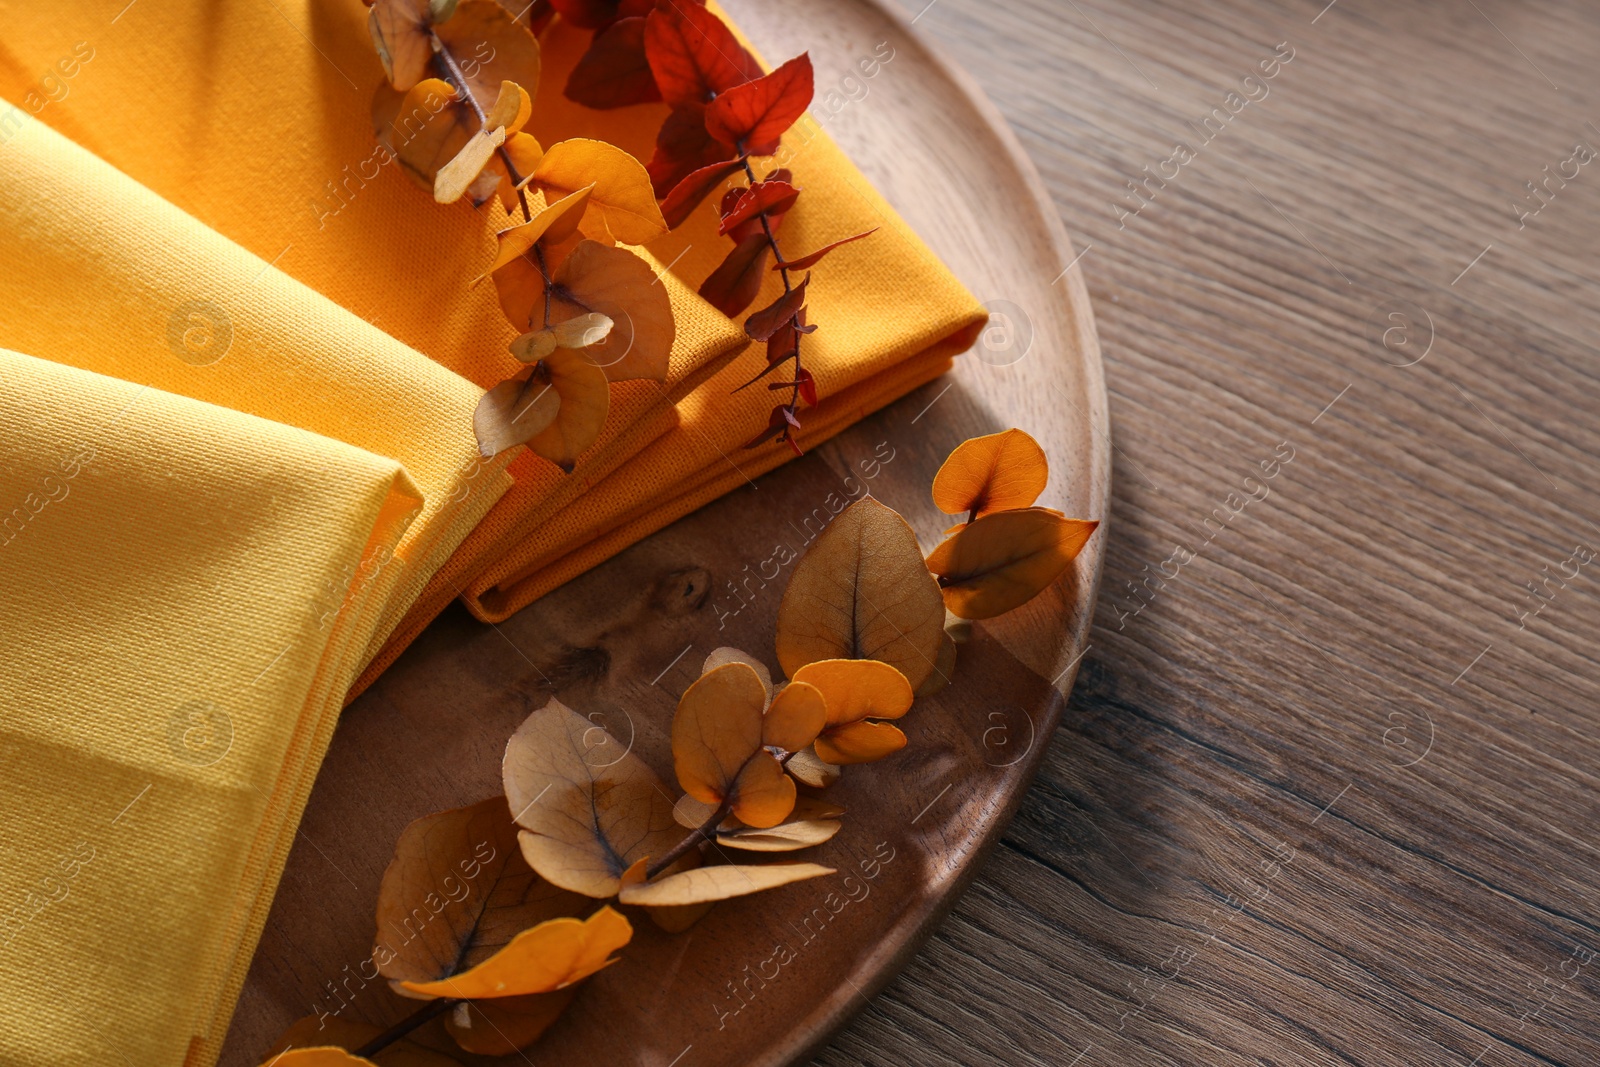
x=765, y=980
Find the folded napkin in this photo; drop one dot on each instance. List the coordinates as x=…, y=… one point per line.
x=173, y=573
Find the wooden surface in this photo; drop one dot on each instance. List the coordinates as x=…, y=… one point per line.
x=1327, y=798
x=764, y=980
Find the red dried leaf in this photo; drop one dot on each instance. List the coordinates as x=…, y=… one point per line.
x=762, y=196
x=756, y=114
x=613, y=72
x=808, y=387
x=766, y=322
x=682, y=147
x=753, y=226
x=694, y=55
x=599, y=14
x=810, y=260
x=783, y=343
x=781, y=425
x=735, y=284
x=687, y=194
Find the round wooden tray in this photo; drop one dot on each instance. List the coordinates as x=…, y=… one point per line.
x=764, y=980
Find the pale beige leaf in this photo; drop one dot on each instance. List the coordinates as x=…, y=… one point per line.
x=719, y=883
x=399, y=30
x=456, y=176
x=515, y=412
x=581, y=332
x=511, y=109
x=587, y=813
x=862, y=592
x=785, y=837
x=812, y=769
x=727, y=654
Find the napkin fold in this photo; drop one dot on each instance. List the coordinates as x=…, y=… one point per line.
x=183, y=586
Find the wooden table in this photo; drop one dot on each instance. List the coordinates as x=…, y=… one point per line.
x=1325, y=792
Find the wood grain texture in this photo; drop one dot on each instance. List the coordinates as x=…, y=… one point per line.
x=1325, y=797
x=764, y=980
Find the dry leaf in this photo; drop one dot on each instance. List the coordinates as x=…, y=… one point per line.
x=585, y=398
x=736, y=282
x=796, y=833
x=998, y=472
x=693, y=814
x=797, y=714
x=687, y=194
x=811, y=769
x=490, y=47
x=944, y=669
x=720, y=656
x=694, y=55
x=524, y=151
x=682, y=147
x=857, y=691
x=756, y=114
x=461, y=870
x=587, y=814
x=581, y=332
x=500, y=1026
x=862, y=592
x=719, y=883
x=622, y=205
x=612, y=281
x=552, y=225
x=717, y=747
x=598, y=14
x=809, y=260
x=553, y=955
x=766, y=322
x=320, y=1032
x=456, y=176
x=614, y=72
x=320, y=1057
x=776, y=197
x=399, y=31
x=425, y=128
x=1005, y=559
x=515, y=411
x=512, y=109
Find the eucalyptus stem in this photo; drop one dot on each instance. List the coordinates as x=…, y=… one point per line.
x=677, y=851
x=431, y=1010
x=454, y=75
x=783, y=271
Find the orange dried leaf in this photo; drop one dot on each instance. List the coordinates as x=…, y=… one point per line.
x=512, y=109
x=716, y=730
x=862, y=592
x=553, y=955
x=399, y=31
x=859, y=742
x=514, y=412
x=756, y=114
x=324, y=1033
x=622, y=205
x=809, y=260
x=613, y=281
x=763, y=795
x=490, y=47
x=458, y=175
x=500, y=1026
x=317, y=1057
x=1005, y=559
x=587, y=813
x=553, y=225
x=720, y=656
x=425, y=129
x=796, y=716
x=462, y=868
x=585, y=398
x=719, y=883
x=999, y=472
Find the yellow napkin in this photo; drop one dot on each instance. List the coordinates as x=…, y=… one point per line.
x=172, y=573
